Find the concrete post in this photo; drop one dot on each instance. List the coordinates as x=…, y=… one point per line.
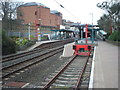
x=29, y=31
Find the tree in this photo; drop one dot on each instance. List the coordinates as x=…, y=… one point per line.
x=8, y=11
x=8, y=45
x=112, y=9
x=115, y=13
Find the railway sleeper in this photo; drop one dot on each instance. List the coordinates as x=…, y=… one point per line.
x=65, y=75
x=66, y=82
x=66, y=78
x=61, y=86
x=84, y=83
x=71, y=72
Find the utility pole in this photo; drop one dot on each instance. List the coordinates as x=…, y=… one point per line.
x=39, y=30
x=81, y=33
x=92, y=29
x=29, y=31
x=39, y=37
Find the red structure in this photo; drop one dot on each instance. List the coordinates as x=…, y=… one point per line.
x=82, y=49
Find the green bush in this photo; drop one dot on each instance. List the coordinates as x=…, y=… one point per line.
x=14, y=37
x=44, y=38
x=8, y=45
x=115, y=36
x=21, y=41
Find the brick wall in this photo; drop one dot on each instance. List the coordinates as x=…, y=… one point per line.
x=32, y=13
x=27, y=14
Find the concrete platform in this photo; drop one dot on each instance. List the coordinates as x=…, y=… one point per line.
x=105, y=66
x=105, y=73
x=39, y=43
x=105, y=70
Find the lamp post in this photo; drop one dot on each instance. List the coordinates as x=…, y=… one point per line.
x=92, y=29
x=29, y=31
x=39, y=30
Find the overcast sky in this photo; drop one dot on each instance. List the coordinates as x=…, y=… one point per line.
x=81, y=10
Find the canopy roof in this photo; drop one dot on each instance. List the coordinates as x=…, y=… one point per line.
x=34, y=4
x=64, y=30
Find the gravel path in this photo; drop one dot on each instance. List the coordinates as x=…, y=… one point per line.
x=36, y=74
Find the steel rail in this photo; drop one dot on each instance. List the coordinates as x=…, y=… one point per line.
x=45, y=55
x=81, y=74
x=15, y=56
x=42, y=47
x=62, y=70
x=30, y=58
x=58, y=74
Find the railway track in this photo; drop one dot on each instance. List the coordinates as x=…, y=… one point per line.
x=38, y=49
x=15, y=67
x=73, y=74
x=15, y=56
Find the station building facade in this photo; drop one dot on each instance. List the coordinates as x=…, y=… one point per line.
x=39, y=16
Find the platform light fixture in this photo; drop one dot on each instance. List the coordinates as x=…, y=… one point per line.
x=92, y=28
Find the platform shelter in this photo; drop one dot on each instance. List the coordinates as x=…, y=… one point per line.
x=63, y=34
x=92, y=31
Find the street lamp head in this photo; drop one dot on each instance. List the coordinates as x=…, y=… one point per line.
x=39, y=19
x=29, y=23
x=90, y=13
x=38, y=29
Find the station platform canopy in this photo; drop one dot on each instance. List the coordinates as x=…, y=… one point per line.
x=62, y=30
x=83, y=25
x=95, y=29
x=90, y=27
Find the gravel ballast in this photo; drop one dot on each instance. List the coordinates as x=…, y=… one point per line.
x=36, y=74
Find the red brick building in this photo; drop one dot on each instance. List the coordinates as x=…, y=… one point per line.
x=38, y=13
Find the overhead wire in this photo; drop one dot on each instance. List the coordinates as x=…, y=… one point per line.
x=66, y=10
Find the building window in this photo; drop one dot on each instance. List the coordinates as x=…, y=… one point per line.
x=50, y=21
x=35, y=12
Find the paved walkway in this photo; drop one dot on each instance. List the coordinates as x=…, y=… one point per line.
x=39, y=43
x=106, y=66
